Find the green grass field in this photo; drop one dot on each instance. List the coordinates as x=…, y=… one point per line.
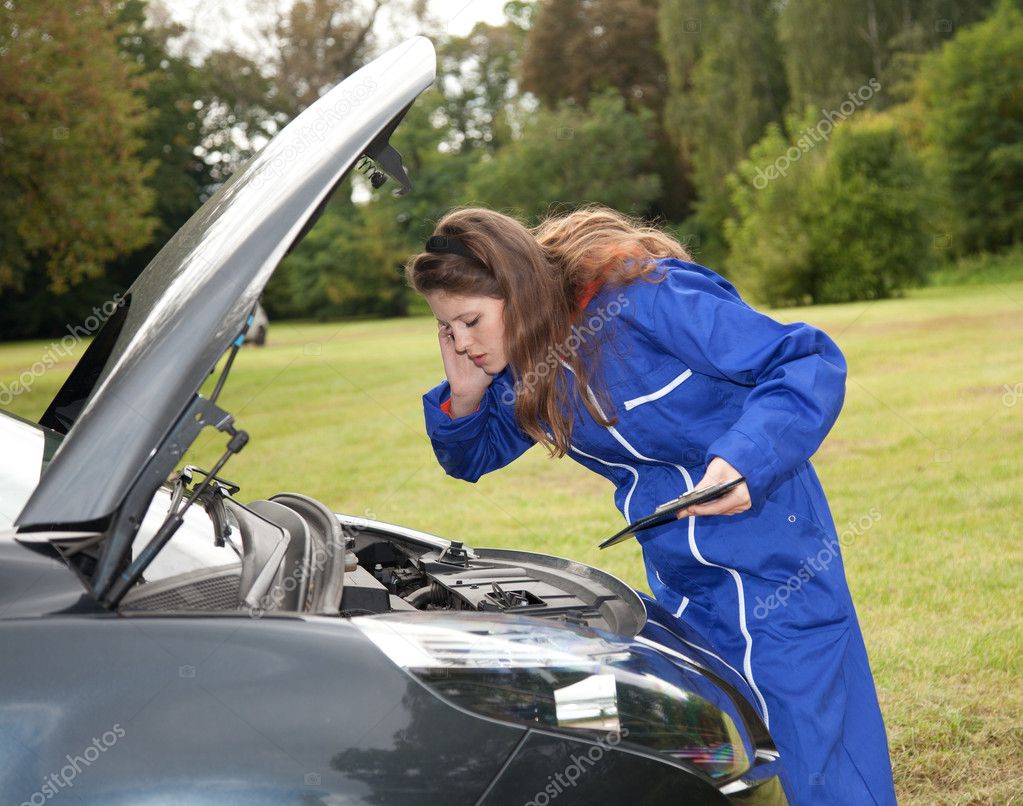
x=931, y=436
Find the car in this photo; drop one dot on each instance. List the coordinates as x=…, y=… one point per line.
x=256, y=331
x=166, y=641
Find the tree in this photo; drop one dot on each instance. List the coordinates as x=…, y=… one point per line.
x=829, y=221
x=872, y=237
x=240, y=111
x=570, y=156
x=576, y=50
x=319, y=43
x=726, y=82
x=173, y=94
x=970, y=94
x=833, y=47
x=72, y=186
x=477, y=74
x=176, y=95
x=770, y=257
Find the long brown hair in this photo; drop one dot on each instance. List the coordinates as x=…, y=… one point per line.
x=540, y=273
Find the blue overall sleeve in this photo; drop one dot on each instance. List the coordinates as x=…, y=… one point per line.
x=487, y=439
x=796, y=373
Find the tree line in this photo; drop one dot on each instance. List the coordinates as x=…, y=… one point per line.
x=811, y=150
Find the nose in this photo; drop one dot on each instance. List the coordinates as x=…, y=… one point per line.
x=461, y=338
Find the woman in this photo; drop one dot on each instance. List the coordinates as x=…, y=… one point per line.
x=597, y=338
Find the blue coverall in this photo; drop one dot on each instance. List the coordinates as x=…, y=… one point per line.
x=694, y=373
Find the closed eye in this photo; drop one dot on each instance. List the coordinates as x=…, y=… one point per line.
x=473, y=322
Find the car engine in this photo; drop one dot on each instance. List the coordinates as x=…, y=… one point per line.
x=295, y=555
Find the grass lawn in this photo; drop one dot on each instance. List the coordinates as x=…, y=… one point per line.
x=931, y=436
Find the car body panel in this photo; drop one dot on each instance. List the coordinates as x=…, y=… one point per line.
x=231, y=709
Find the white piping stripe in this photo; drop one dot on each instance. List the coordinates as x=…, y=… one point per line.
x=746, y=662
x=681, y=607
x=639, y=401
x=632, y=470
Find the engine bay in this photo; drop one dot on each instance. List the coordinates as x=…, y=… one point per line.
x=295, y=555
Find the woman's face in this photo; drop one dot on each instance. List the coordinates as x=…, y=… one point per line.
x=476, y=325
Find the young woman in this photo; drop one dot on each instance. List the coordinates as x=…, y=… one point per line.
x=598, y=338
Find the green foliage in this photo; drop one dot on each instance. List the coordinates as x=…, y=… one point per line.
x=72, y=186
x=666, y=110
x=478, y=75
x=351, y=262
x=833, y=47
x=829, y=222
x=736, y=65
x=344, y=267
x=872, y=238
x=570, y=156
x=241, y=111
x=172, y=91
x=971, y=93
x=984, y=268
x=718, y=105
x=770, y=255
x=575, y=51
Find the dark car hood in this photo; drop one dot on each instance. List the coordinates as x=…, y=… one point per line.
x=122, y=403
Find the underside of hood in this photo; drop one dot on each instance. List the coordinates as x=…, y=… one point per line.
x=123, y=405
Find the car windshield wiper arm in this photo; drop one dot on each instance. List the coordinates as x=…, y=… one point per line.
x=212, y=499
x=123, y=583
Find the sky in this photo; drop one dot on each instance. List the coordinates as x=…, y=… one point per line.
x=218, y=20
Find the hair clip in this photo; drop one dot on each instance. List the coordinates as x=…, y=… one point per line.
x=449, y=245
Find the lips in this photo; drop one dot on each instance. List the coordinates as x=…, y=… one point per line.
x=479, y=360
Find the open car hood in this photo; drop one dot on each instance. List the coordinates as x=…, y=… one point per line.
x=127, y=406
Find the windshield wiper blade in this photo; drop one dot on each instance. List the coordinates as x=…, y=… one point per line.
x=212, y=499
